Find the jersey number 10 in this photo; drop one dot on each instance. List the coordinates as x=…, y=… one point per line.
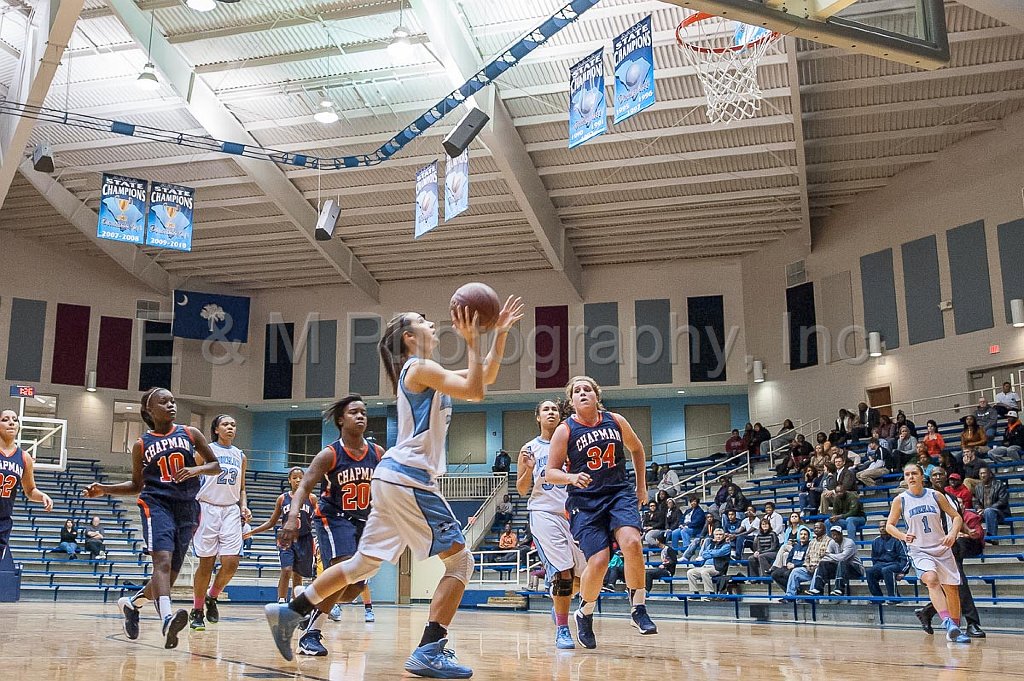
x=598, y=459
x=170, y=465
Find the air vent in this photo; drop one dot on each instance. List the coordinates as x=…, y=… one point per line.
x=148, y=310
x=795, y=274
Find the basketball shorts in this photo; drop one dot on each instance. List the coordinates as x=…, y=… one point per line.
x=219, y=532
x=555, y=544
x=338, y=537
x=169, y=526
x=6, y=525
x=299, y=556
x=409, y=517
x=937, y=559
x=594, y=519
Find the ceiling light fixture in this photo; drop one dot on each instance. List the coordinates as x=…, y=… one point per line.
x=400, y=46
x=201, y=5
x=147, y=80
x=326, y=114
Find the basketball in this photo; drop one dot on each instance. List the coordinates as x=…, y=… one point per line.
x=481, y=299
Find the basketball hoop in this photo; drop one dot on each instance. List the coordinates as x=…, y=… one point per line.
x=727, y=69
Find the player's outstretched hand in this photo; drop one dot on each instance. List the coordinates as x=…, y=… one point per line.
x=47, y=502
x=581, y=480
x=288, y=532
x=92, y=491
x=187, y=473
x=466, y=323
x=511, y=312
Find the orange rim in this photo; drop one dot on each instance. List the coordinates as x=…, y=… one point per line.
x=704, y=16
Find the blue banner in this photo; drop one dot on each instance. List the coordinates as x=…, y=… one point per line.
x=203, y=316
x=122, y=214
x=456, y=186
x=588, y=112
x=426, y=199
x=170, y=216
x=633, y=54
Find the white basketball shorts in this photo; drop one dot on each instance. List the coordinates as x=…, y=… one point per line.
x=219, y=532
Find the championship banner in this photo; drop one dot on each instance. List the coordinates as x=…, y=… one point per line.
x=122, y=215
x=456, y=186
x=588, y=112
x=203, y=316
x=633, y=53
x=426, y=199
x=170, y=216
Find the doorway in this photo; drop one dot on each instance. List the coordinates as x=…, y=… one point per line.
x=702, y=420
x=883, y=397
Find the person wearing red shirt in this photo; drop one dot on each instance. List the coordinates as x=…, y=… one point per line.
x=958, y=489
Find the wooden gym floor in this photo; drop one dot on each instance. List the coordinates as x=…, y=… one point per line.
x=84, y=641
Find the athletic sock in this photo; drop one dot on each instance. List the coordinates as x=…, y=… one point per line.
x=368, y=606
x=561, y=619
x=587, y=607
x=306, y=601
x=313, y=617
x=164, y=606
x=433, y=633
x=198, y=603
x=139, y=600
x=637, y=597
x=214, y=592
x=944, y=615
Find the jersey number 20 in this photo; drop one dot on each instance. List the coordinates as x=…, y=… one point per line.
x=596, y=459
x=355, y=496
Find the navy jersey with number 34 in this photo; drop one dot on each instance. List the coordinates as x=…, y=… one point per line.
x=597, y=450
x=162, y=457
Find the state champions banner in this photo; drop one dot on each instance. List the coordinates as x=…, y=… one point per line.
x=122, y=213
x=588, y=111
x=170, y=216
x=456, y=186
x=633, y=54
x=426, y=199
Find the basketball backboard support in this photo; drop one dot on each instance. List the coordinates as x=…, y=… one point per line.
x=907, y=31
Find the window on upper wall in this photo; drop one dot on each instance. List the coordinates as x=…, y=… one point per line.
x=127, y=427
x=305, y=439
x=467, y=440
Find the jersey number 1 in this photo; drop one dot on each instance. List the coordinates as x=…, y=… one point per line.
x=170, y=465
x=598, y=459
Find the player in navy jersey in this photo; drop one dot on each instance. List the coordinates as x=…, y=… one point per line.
x=297, y=559
x=344, y=468
x=15, y=468
x=166, y=464
x=603, y=506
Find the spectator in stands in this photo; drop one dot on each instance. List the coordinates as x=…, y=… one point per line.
x=668, y=482
x=906, y=445
x=958, y=489
x=951, y=464
x=765, y=548
x=747, y=531
x=820, y=544
x=502, y=462
x=655, y=526
x=986, y=417
x=503, y=513
x=708, y=531
x=735, y=500
x=797, y=456
x=790, y=557
x=713, y=561
x=844, y=476
x=841, y=564
x=933, y=439
x=731, y=524
x=792, y=530
x=842, y=430
x=616, y=570
x=734, y=445
x=68, y=539
x=748, y=436
x=94, y=538
x=1013, y=440
x=667, y=566
x=810, y=496
x=715, y=509
x=874, y=465
x=525, y=544
x=758, y=437
x=902, y=420
x=819, y=459
x=673, y=516
x=653, y=475
x=889, y=563
x=508, y=541
x=690, y=524
x=974, y=435
x=972, y=464
x=647, y=516
x=848, y=511
x=924, y=460
x=992, y=501
x=1007, y=400
x=776, y=520
x=866, y=420
x=887, y=430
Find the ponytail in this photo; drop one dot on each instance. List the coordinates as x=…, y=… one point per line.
x=392, y=348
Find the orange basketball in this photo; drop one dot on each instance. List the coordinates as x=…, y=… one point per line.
x=481, y=299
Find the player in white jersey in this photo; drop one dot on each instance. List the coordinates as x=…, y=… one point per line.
x=549, y=524
x=929, y=547
x=408, y=509
x=222, y=507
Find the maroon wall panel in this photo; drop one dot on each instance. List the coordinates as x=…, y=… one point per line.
x=551, y=345
x=113, y=360
x=70, y=345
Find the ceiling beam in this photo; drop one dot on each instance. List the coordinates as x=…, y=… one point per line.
x=639, y=161
x=972, y=71
x=51, y=24
x=654, y=133
x=305, y=55
x=626, y=187
x=956, y=102
x=879, y=162
x=905, y=133
x=1009, y=12
x=579, y=212
x=222, y=124
x=954, y=38
x=796, y=111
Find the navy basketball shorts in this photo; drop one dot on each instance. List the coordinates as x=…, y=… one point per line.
x=169, y=526
x=338, y=537
x=6, y=525
x=299, y=556
x=594, y=518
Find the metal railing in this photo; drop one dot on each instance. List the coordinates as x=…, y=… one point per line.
x=504, y=571
x=479, y=526
x=696, y=447
x=707, y=476
x=460, y=487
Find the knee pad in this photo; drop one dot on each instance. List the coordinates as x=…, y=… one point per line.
x=359, y=568
x=561, y=584
x=460, y=566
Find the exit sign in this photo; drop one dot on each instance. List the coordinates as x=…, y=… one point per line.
x=993, y=349
x=23, y=391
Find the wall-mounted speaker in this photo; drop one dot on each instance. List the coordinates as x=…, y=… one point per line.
x=459, y=139
x=328, y=219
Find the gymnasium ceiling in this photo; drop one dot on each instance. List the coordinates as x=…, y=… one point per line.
x=664, y=186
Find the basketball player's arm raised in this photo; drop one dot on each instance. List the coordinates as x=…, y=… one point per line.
x=465, y=385
x=28, y=484
x=639, y=456
x=958, y=521
x=557, y=455
x=322, y=463
x=510, y=314
x=524, y=472
x=895, y=511
x=274, y=517
x=121, y=489
x=207, y=460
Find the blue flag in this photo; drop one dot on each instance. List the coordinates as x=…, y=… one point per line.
x=633, y=53
x=456, y=186
x=426, y=199
x=122, y=209
x=588, y=112
x=170, y=216
x=211, y=316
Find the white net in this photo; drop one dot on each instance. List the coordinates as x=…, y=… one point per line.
x=725, y=55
